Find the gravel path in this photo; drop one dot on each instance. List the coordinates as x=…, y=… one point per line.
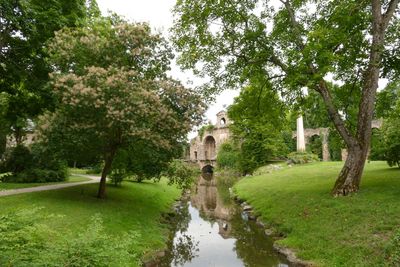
x=95, y=179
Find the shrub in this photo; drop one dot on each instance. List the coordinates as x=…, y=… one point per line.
x=96, y=169
x=117, y=176
x=302, y=157
x=17, y=159
x=391, y=140
x=228, y=156
x=119, y=167
x=180, y=173
x=35, y=165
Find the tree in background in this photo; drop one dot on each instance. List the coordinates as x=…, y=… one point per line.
x=388, y=108
x=110, y=81
x=259, y=118
x=25, y=27
x=295, y=45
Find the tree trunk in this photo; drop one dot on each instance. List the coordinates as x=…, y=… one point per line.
x=350, y=175
x=18, y=135
x=106, y=170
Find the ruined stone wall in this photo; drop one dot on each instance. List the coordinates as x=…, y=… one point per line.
x=220, y=134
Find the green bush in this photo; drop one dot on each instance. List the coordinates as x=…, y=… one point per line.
x=302, y=157
x=35, y=165
x=117, y=176
x=25, y=240
x=228, y=156
x=391, y=141
x=34, y=175
x=96, y=169
x=180, y=173
x=17, y=159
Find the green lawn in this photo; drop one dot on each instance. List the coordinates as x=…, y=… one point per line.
x=131, y=207
x=345, y=231
x=71, y=179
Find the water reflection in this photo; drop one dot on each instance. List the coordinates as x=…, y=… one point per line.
x=211, y=233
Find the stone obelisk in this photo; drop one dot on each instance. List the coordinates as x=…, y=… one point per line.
x=301, y=144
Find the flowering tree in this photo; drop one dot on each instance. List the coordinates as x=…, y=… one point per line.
x=112, y=89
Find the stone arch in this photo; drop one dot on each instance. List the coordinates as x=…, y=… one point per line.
x=376, y=124
x=315, y=144
x=324, y=134
x=207, y=169
x=209, y=148
x=222, y=121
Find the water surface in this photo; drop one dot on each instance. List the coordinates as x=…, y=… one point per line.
x=212, y=231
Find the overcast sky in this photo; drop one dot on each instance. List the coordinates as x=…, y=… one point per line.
x=159, y=15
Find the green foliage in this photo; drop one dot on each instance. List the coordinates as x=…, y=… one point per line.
x=119, y=167
x=17, y=159
x=26, y=239
x=182, y=174
x=228, y=156
x=302, y=157
x=204, y=129
x=314, y=146
x=26, y=27
x=244, y=47
x=96, y=168
x=391, y=141
x=388, y=100
x=386, y=141
x=33, y=165
x=377, y=145
x=259, y=127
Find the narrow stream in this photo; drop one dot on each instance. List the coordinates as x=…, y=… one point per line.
x=211, y=231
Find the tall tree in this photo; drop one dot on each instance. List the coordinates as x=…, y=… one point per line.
x=296, y=45
x=259, y=118
x=112, y=89
x=25, y=27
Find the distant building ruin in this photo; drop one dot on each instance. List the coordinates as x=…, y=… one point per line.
x=204, y=149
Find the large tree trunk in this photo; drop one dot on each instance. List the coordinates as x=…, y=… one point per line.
x=350, y=176
x=106, y=170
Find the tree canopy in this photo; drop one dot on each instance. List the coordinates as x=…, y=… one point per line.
x=259, y=126
x=26, y=26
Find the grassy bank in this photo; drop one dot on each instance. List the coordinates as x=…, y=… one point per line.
x=71, y=179
x=132, y=207
x=346, y=231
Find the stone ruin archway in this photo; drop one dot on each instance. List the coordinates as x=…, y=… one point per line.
x=323, y=133
x=209, y=148
x=203, y=149
x=207, y=169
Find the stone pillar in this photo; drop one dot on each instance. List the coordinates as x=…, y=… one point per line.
x=301, y=144
x=325, y=148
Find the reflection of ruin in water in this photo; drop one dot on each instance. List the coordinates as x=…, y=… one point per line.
x=209, y=203
x=210, y=233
